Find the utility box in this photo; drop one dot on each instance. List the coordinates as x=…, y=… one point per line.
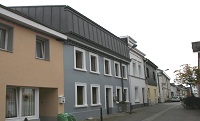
x=61, y=99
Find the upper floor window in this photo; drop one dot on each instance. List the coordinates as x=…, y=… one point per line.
x=154, y=76
x=147, y=69
x=124, y=71
x=22, y=102
x=107, y=67
x=134, y=68
x=42, y=48
x=6, y=37
x=79, y=59
x=139, y=70
x=94, y=63
x=117, y=69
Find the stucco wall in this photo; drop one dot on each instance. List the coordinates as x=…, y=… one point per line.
x=21, y=68
x=72, y=76
x=153, y=95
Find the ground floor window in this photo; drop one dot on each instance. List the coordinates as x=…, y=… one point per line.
x=95, y=94
x=22, y=102
x=80, y=94
x=126, y=94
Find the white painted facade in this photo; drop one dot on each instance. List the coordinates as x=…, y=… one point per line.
x=195, y=91
x=173, y=90
x=138, y=89
x=164, y=86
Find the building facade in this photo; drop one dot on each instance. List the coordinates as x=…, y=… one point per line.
x=164, y=86
x=138, y=88
x=152, y=91
x=95, y=62
x=173, y=88
x=32, y=73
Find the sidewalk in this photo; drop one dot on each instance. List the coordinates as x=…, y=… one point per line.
x=139, y=114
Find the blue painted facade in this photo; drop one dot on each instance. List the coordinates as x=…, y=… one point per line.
x=72, y=76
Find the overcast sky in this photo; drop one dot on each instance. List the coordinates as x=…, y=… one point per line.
x=163, y=29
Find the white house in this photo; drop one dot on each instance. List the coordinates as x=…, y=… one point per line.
x=163, y=86
x=138, y=89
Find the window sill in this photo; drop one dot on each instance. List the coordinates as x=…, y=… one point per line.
x=95, y=72
x=137, y=101
x=41, y=59
x=108, y=75
x=125, y=78
x=22, y=118
x=5, y=50
x=79, y=69
x=99, y=104
x=81, y=106
x=118, y=77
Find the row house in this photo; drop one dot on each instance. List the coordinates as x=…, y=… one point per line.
x=31, y=68
x=95, y=61
x=138, y=88
x=164, y=86
x=173, y=89
x=152, y=90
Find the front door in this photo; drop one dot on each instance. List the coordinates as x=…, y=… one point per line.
x=107, y=100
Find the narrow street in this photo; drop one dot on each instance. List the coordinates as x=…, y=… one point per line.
x=162, y=112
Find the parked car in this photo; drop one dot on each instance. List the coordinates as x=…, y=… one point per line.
x=175, y=99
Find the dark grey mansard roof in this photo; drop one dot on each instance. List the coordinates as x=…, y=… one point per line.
x=68, y=21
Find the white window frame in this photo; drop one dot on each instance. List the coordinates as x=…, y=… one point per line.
x=119, y=70
x=6, y=39
x=19, y=104
x=98, y=95
x=109, y=68
x=139, y=70
x=120, y=94
x=137, y=98
x=97, y=63
x=134, y=69
x=84, y=94
x=42, y=48
x=83, y=59
x=125, y=71
x=111, y=101
x=127, y=94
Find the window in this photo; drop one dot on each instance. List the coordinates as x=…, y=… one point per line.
x=154, y=76
x=147, y=72
x=95, y=95
x=139, y=70
x=107, y=67
x=155, y=94
x=6, y=37
x=134, y=69
x=79, y=59
x=117, y=69
x=118, y=94
x=22, y=102
x=80, y=94
x=94, y=63
x=137, y=95
x=124, y=71
x=126, y=94
x=42, y=48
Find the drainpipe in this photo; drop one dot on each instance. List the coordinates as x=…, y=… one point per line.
x=146, y=81
x=122, y=81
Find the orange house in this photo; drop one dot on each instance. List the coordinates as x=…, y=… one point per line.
x=31, y=69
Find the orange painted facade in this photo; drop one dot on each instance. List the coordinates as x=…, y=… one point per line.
x=20, y=68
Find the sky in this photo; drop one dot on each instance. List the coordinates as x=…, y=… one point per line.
x=163, y=29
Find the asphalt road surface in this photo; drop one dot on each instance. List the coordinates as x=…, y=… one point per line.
x=161, y=112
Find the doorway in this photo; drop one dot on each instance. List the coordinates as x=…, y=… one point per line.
x=108, y=99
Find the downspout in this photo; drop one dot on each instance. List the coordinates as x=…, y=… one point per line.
x=122, y=81
x=146, y=81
